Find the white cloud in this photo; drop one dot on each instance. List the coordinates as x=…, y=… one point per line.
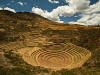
x=10, y=9
x=20, y=3
x=75, y=16
x=65, y=11
x=12, y=1
x=38, y=11
x=79, y=5
x=1, y=8
x=25, y=3
x=53, y=1
x=72, y=8
x=55, y=14
x=72, y=22
x=91, y=16
x=89, y=19
x=50, y=15
x=94, y=8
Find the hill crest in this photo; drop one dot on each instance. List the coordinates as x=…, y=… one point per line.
x=8, y=17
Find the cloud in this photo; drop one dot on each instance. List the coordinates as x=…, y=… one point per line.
x=25, y=3
x=10, y=9
x=65, y=11
x=38, y=11
x=75, y=16
x=94, y=8
x=20, y=3
x=1, y=8
x=89, y=19
x=79, y=5
x=72, y=22
x=72, y=8
x=55, y=14
x=12, y=1
x=50, y=15
x=53, y=1
x=91, y=16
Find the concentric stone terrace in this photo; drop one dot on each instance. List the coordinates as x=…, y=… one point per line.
x=57, y=56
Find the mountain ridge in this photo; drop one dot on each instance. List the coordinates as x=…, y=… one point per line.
x=35, y=19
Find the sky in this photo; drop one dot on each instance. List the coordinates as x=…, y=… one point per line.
x=85, y=12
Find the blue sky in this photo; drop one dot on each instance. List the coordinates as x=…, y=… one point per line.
x=86, y=12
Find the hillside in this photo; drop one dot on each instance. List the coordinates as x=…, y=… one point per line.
x=31, y=19
x=33, y=45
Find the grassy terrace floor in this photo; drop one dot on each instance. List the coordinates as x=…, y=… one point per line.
x=67, y=56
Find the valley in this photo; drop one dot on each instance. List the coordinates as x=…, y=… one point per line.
x=33, y=45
